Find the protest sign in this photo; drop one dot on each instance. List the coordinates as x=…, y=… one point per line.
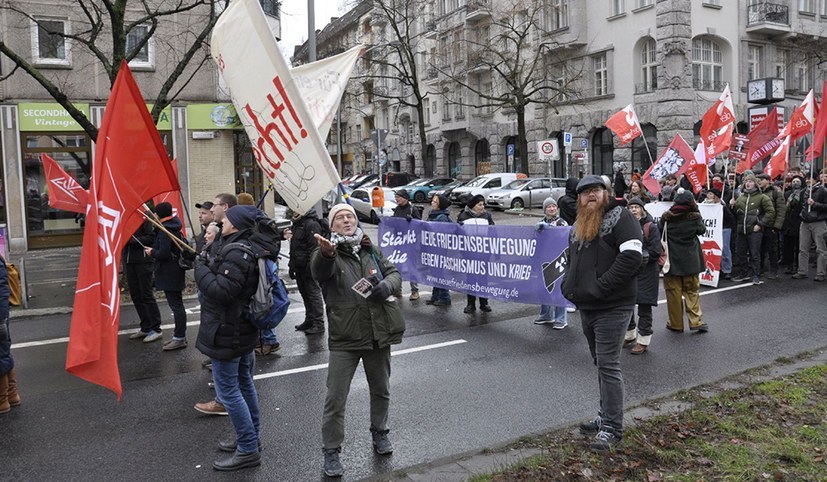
x=507, y=263
x=711, y=241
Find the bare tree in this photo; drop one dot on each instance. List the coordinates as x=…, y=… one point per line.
x=102, y=30
x=393, y=72
x=513, y=50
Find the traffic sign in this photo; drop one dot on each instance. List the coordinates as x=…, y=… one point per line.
x=509, y=149
x=567, y=139
x=584, y=143
x=548, y=150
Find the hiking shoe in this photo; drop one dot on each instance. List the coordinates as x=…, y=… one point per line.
x=175, y=344
x=818, y=278
x=304, y=326
x=237, y=461
x=605, y=441
x=543, y=321
x=639, y=349
x=138, y=335
x=560, y=324
x=740, y=278
x=213, y=407
x=414, y=295
x=757, y=281
x=265, y=349
x=332, y=466
x=799, y=276
x=469, y=309
x=486, y=308
x=315, y=329
x=381, y=443
x=153, y=336
x=592, y=426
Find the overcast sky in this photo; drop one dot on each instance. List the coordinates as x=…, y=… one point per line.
x=294, y=20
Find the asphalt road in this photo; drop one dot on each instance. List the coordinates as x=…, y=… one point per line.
x=460, y=383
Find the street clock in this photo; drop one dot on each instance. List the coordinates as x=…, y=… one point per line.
x=765, y=91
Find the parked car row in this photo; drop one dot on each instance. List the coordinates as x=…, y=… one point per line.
x=528, y=192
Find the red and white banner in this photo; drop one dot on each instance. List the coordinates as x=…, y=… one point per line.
x=625, y=125
x=673, y=160
x=820, y=127
x=698, y=172
x=64, y=191
x=763, y=140
x=174, y=198
x=779, y=160
x=286, y=144
x=131, y=166
x=712, y=241
x=721, y=115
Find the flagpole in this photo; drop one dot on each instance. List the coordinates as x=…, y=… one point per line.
x=646, y=146
x=157, y=223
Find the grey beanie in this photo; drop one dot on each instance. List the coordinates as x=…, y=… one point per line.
x=636, y=200
x=549, y=200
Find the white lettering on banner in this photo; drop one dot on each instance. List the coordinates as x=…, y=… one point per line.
x=109, y=219
x=480, y=244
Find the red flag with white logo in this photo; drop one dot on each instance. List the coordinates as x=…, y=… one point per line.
x=716, y=118
x=820, y=127
x=131, y=166
x=174, y=198
x=697, y=173
x=64, y=191
x=802, y=119
x=674, y=160
x=625, y=125
x=778, y=162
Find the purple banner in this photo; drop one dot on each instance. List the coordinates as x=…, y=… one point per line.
x=507, y=263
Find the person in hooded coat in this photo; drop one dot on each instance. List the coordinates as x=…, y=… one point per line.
x=169, y=277
x=568, y=201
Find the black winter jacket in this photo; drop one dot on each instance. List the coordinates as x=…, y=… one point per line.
x=168, y=275
x=303, y=241
x=686, y=258
x=648, y=279
x=407, y=210
x=568, y=202
x=133, y=253
x=818, y=211
x=227, y=284
x=599, y=275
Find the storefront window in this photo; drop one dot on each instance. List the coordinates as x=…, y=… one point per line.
x=248, y=176
x=72, y=152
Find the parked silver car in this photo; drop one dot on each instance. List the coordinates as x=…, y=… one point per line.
x=524, y=193
x=361, y=202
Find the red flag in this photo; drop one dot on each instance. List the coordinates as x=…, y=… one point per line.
x=762, y=141
x=131, y=166
x=778, y=162
x=820, y=127
x=625, y=125
x=65, y=192
x=721, y=140
x=697, y=172
x=802, y=119
x=673, y=160
x=174, y=198
x=716, y=118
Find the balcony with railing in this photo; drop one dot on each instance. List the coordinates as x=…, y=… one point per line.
x=433, y=74
x=768, y=18
x=430, y=29
x=477, y=10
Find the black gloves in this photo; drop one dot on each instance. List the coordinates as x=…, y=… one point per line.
x=188, y=255
x=408, y=218
x=381, y=291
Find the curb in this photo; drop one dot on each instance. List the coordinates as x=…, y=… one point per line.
x=461, y=467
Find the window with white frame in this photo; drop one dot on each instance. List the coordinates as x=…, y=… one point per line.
x=145, y=57
x=446, y=109
x=707, y=64
x=427, y=111
x=755, y=58
x=649, y=65
x=558, y=14
x=824, y=8
x=618, y=7
x=460, y=108
x=807, y=6
x=645, y=3
x=802, y=76
x=716, y=3
x=782, y=65
x=49, y=44
x=601, y=74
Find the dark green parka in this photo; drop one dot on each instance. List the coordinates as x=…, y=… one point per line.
x=355, y=323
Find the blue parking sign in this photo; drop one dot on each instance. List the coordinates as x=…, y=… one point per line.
x=509, y=149
x=584, y=143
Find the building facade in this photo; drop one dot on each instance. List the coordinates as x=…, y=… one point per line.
x=671, y=59
x=200, y=129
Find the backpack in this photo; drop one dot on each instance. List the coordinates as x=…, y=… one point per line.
x=269, y=304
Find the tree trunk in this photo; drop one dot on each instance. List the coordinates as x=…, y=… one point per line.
x=423, y=141
x=521, y=138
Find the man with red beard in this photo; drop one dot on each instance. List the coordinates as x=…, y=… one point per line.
x=605, y=255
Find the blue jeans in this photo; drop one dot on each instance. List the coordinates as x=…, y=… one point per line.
x=726, y=252
x=268, y=337
x=235, y=390
x=605, y=330
x=556, y=313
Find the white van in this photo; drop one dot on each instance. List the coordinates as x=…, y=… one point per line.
x=481, y=185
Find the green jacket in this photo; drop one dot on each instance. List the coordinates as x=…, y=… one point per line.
x=354, y=322
x=779, y=204
x=753, y=208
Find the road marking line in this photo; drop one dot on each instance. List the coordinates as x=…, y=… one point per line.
x=322, y=366
x=718, y=290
